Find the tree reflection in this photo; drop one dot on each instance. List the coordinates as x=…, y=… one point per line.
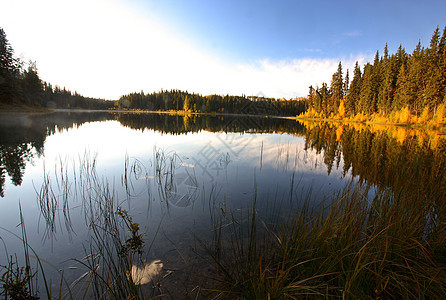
x=22, y=137
x=181, y=124
x=383, y=156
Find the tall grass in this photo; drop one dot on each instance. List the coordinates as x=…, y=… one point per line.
x=116, y=244
x=113, y=255
x=19, y=280
x=362, y=242
x=389, y=245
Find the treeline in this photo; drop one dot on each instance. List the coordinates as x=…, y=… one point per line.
x=55, y=97
x=175, y=100
x=21, y=86
x=414, y=83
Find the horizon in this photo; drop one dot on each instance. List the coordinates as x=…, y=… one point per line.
x=105, y=49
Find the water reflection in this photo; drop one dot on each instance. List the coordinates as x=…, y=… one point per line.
x=373, y=153
x=22, y=137
x=383, y=155
x=178, y=124
x=173, y=172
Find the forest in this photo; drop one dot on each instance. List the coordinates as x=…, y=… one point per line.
x=400, y=87
x=22, y=87
x=176, y=100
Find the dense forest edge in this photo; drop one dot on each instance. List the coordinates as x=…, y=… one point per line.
x=397, y=88
x=22, y=89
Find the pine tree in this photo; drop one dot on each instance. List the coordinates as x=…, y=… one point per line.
x=416, y=79
x=376, y=82
x=401, y=55
x=337, y=88
x=346, y=83
x=403, y=91
x=32, y=86
x=394, y=82
x=312, y=98
x=9, y=70
x=366, y=95
x=354, y=91
x=442, y=63
x=325, y=96
x=385, y=84
x=432, y=95
x=389, y=72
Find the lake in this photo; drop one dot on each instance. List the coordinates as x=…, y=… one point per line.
x=172, y=173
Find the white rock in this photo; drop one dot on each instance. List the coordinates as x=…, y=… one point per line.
x=146, y=273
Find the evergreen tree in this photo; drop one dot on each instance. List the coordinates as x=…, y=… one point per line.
x=416, y=79
x=401, y=56
x=432, y=95
x=346, y=83
x=9, y=70
x=376, y=82
x=312, y=98
x=370, y=87
x=354, y=91
x=336, y=88
x=32, y=86
x=442, y=63
x=366, y=95
x=325, y=96
x=403, y=91
x=389, y=70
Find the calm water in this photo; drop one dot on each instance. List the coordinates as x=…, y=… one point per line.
x=170, y=172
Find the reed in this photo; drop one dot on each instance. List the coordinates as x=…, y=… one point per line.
x=361, y=243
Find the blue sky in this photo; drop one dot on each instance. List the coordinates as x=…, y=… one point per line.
x=291, y=29
x=105, y=48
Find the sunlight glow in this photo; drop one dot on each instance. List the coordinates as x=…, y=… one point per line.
x=110, y=48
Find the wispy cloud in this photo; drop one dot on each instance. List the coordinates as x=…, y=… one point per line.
x=352, y=33
x=310, y=50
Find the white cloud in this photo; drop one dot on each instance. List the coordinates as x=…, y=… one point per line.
x=107, y=48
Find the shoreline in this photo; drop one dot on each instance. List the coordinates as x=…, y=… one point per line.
x=30, y=110
x=441, y=129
